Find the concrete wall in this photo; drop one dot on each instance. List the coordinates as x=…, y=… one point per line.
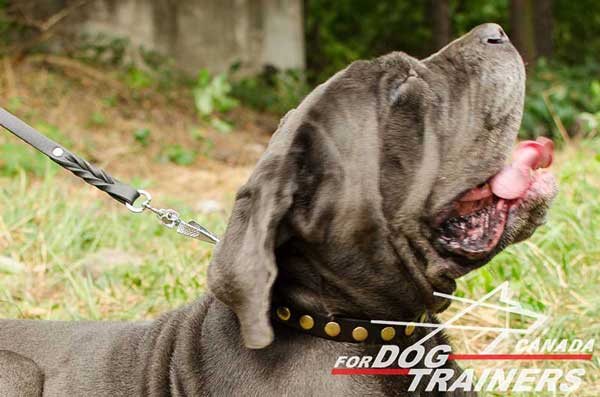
x=210, y=34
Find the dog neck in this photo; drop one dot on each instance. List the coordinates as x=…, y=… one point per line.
x=349, y=290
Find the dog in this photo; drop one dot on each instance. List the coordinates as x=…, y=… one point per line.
x=387, y=183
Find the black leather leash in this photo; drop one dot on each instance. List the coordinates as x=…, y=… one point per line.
x=123, y=193
x=61, y=156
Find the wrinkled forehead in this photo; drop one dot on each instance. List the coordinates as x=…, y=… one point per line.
x=480, y=72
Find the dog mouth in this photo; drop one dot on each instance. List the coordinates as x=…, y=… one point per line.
x=474, y=224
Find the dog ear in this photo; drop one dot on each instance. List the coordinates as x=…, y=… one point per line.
x=243, y=268
x=319, y=166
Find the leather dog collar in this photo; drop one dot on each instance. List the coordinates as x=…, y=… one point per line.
x=345, y=329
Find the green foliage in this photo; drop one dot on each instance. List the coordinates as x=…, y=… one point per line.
x=102, y=48
x=16, y=156
x=14, y=104
x=179, y=155
x=561, y=259
x=577, y=31
x=10, y=29
x=205, y=142
x=559, y=94
x=221, y=125
x=272, y=91
x=137, y=78
x=162, y=70
x=466, y=14
x=212, y=94
x=110, y=101
x=348, y=30
x=563, y=95
x=58, y=230
x=54, y=230
x=142, y=136
x=97, y=119
x=355, y=29
x=150, y=70
x=53, y=132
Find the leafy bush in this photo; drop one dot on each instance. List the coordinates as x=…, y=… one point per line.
x=212, y=94
x=179, y=155
x=576, y=30
x=350, y=30
x=273, y=91
x=137, y=78
x=561, y=97
x=102, y=48
x=142, y=136
x=139, y=67
x=466, y=14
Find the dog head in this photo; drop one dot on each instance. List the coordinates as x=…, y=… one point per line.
x=385, y=184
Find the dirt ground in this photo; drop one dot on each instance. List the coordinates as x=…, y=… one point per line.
x=98, y=115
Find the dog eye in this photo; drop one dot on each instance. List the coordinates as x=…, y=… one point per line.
x=496, y=40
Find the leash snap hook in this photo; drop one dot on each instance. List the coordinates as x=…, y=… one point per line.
x=169, y=218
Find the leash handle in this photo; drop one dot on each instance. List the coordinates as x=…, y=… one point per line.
x=97, y=177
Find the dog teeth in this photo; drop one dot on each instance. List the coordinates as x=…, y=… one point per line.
x=471, y=231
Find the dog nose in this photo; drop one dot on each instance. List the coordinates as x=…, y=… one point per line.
x=493, y=34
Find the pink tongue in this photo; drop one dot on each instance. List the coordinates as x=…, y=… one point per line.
x=514, y=179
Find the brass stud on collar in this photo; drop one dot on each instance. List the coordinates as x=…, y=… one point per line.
x=307, y=322
x=283, y=313
x=332, y=329
x=360, y=334
x=410, y=329
x=388, y=333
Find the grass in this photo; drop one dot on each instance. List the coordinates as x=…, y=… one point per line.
x=556, y=272
x=69, y=252
x=53, y=228
x=82, y=257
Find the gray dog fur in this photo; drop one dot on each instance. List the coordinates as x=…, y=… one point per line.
x=335, y=219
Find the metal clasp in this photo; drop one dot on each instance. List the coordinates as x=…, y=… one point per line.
x=145, y=204
x=170, y=218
